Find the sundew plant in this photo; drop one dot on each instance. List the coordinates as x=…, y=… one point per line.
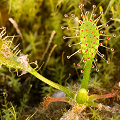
x=89, y=41
x=89, y=35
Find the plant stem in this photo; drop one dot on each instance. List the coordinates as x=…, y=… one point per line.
x=86, y=74
x=49, y=82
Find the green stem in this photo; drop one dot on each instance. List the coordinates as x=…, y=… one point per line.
x=55, y=85
x=86, y=74
x=81, y=97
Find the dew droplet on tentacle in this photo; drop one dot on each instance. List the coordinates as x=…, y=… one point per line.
x=78, y=64
x=94, y=6
x=112, y=49
x=82, y=71
x=66, y=15
x=108, y=62
x=97, y=69
x=68, y=57
x=64, y=37
x=68, y=28
x=62, y=27
x=102, y=55
x=87, y=12
x=73, y=15
x=114, y=35
x=84, y=61
x=95, y=59
x=69, y=45
x=101, y=12
x=92, y=66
